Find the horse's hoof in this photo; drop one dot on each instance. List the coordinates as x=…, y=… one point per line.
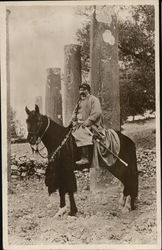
x=61, y=212
x=133, y=207
x=127, y=206
x=134, y=203
x=121, y=207
x=125, y=210
x=73, y=213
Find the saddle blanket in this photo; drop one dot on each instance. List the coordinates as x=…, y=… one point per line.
x=101, y=156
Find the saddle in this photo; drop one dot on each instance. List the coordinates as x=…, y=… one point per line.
x=98, y=155
x=101, y=156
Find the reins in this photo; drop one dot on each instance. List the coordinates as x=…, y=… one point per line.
x=46, y=128
x=52, y=158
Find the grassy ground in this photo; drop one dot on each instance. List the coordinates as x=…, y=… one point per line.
x=142, y=133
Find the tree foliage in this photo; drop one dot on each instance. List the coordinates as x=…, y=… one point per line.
x=136, y=56
x=137, y=53
x=83, y=36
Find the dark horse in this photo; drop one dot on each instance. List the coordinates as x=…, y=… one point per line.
x=60, y=171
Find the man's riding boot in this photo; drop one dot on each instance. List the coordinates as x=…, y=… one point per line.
x=84, y=156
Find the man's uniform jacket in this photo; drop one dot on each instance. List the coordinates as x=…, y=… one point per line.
x=89, y=109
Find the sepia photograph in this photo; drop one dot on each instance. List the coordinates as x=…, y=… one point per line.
x=80, y=126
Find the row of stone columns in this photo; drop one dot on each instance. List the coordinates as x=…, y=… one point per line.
x=61, y=96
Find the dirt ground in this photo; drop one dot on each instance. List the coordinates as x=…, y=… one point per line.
x=31, y=212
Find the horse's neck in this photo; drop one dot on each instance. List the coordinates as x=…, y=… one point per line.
x=54, y=133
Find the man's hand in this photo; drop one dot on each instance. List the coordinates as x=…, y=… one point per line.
x=86, y=123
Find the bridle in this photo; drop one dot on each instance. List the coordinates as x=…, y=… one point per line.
x=53, y=156
x=39, y=139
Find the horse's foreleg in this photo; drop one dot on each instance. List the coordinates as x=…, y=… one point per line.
x=62, y=209
x=73, y=208
x=62, y=199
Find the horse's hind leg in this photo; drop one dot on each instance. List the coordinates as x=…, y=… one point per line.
x=125, y=199
x=129, y=197
x=126, y=205
x=62, y=209
x=130, y=191
x=73, y=208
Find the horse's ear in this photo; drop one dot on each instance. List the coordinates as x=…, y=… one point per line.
x=27, y=110
x=36, y=108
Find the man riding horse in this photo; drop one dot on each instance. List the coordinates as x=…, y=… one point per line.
x=87, y=113
x=61, y=149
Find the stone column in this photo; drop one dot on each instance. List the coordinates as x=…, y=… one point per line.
x=53, y=102
x=72, y=80
x=104, y=76
x=104, y=65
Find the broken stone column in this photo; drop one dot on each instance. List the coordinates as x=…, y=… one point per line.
x=39, y=102
x=104, y=76
x=53, y=101
x=104, y=65
x=72, y=80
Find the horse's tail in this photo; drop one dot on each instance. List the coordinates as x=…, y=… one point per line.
x=133, y=172
x=129, y=174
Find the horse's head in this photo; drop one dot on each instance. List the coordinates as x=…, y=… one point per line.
x=34, y=123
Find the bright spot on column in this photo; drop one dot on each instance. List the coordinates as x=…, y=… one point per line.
x=108, y=37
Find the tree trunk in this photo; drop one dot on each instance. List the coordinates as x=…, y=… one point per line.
x=105, y=78
x=53, y=102
x=72, y=80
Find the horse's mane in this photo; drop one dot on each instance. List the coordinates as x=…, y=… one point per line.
x=56, y=124
x=56, y=133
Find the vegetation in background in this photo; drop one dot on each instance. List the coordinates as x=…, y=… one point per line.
x=13, y=123
x=136, y=59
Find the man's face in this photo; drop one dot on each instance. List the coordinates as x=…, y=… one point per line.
x=83, y=92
